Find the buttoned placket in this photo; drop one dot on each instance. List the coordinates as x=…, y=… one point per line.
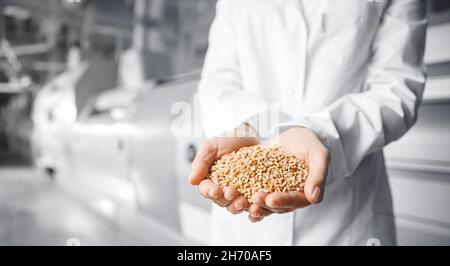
x=295, y=93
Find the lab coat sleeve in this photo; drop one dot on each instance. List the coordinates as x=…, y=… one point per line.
x=224, y=105
x=361, y=123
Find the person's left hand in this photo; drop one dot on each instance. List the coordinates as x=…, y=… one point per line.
x=306, y=146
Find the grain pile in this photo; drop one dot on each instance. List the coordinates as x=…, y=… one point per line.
x=259, y=168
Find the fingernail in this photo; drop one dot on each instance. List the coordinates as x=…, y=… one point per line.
x=258, y=219
x=257, y=214
x=316, y=194
x=238, y=206
x=227, y=195
x=211, y=194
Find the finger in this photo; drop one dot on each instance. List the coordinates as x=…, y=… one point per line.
x=238, y=205
x=290, y=200
x=258, y=211
x=314, y=185
x=221, y=202
x=203, y=160
x=230, y=194
x=210, y=190
x=258, y=198
x=254, y=219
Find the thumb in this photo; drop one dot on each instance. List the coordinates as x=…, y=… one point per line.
x=203, y=160
x=314, y=185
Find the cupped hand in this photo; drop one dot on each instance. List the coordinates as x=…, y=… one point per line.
x=306, y=146
x=211, y=150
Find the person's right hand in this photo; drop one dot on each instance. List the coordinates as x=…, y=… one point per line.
x=211, y=150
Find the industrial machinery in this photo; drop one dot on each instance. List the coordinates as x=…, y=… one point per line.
x=122, y=148
x=54, y=108
x=58, y=103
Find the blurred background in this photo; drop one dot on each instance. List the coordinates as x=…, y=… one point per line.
x=87, y=155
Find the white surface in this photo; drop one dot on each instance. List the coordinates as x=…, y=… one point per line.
x=438, y=40
x=142, y=227
x=437, y=90
x=418, y=233
x=421, y=195
x=195, y=223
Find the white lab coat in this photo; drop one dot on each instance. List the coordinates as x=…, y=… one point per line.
x=350, y=70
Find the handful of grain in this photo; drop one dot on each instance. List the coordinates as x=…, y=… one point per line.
x=259, y=168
